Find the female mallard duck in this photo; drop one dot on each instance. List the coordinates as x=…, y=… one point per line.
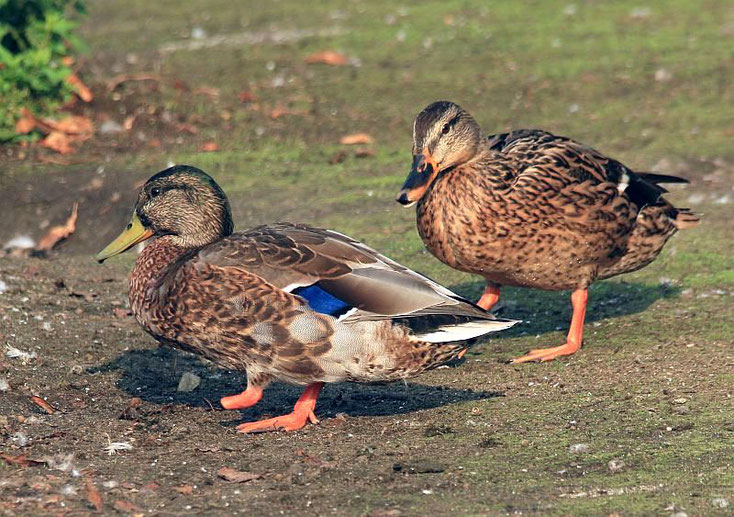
x=531, y=209
x=285, y=301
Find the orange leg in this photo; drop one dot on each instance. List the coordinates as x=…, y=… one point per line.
x=575, y=334
x=247, y=398
x=490, y=297
x=302, y=412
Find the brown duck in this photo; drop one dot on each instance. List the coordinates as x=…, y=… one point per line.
x=284, y=301
x=531, y=209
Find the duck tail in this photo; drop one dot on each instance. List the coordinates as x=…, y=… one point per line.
x=464, y=331
x=685, y=219
x=656, y=179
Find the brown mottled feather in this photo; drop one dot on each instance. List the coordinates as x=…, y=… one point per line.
x=227, y=295
x=538, y=210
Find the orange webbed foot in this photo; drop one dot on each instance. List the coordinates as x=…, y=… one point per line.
x=547, y=354
x=290, y=422
x=247, y=398
x=302, y=413
x=573, y=340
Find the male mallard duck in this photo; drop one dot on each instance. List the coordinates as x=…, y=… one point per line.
x=284, y=301
x=531, y=209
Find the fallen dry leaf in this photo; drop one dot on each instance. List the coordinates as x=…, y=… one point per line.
x=53, y=160
x=125, y=506
x=59, y=142
x=209, y=147
x=93, y=496
x=121, y=313
x=184, y=489
x=72, y=125
x=364, y=152
x=59, y=233
x=81, y=89
x=38, y=401
x=21, y=461
x=338, y=157
x=246, y=96
x=236, y=476
x=25, y=123
x=278, y=112
x=127, y=124
x=328, y=57
x=131, y=411
x=123, y=78
x=207, y=91
x=356, y=139
x=185, y=127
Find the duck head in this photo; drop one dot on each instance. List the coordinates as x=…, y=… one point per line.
x=182, y=202
x=444, y=136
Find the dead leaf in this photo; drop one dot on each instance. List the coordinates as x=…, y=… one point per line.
x=121, y=313
x=246, y=96
x=209, y=147
x=278, y=112
x=328, y=57
x=185, y=127
x=21, y=461
x=72, y=125
x=59, y=233
x=123, y=78
x=338, y=157
x=364, y=152
x=207, y=91
x=127, y=124
x=59, y=142
x=38, y=401
x=356, y=139
x=131, y=412
x=25, y=123
x=81, y=89
x=125, y=506
x=53, y=160
x=236, y=476
x=184, y=489
x=93, y=496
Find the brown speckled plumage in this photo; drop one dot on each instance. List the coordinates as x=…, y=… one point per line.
x=235, y=298
x=528, y=208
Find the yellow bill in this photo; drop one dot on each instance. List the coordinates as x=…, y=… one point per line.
x=133, y=233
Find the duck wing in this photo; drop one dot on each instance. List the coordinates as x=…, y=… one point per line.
x=535, y=150
x=336, y=274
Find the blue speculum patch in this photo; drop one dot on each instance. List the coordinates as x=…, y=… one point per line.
x=322, y=301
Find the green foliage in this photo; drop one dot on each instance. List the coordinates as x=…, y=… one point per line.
x=35, y=35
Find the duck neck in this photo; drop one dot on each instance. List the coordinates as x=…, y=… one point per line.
x=152, y=263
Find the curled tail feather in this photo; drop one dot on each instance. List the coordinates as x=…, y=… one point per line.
x=685, y=219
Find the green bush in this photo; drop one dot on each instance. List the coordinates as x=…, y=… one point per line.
x=35, y=36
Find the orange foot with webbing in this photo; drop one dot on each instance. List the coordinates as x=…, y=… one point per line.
x=302, y=413
x=490, y=297
x=573, y=340
x=247, y=398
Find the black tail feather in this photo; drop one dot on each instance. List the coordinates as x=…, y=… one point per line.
x=644, y=190
x=660, y=178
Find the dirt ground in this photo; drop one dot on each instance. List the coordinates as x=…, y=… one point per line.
x=617, y=428
x=639, y=422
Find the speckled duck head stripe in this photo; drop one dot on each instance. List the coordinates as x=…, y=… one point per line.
x=187, y=203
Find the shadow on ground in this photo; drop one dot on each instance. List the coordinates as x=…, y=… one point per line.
x=153, y=376
x=548, y=311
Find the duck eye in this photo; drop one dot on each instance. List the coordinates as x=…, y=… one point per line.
x=154, y=192
x=446, y=128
